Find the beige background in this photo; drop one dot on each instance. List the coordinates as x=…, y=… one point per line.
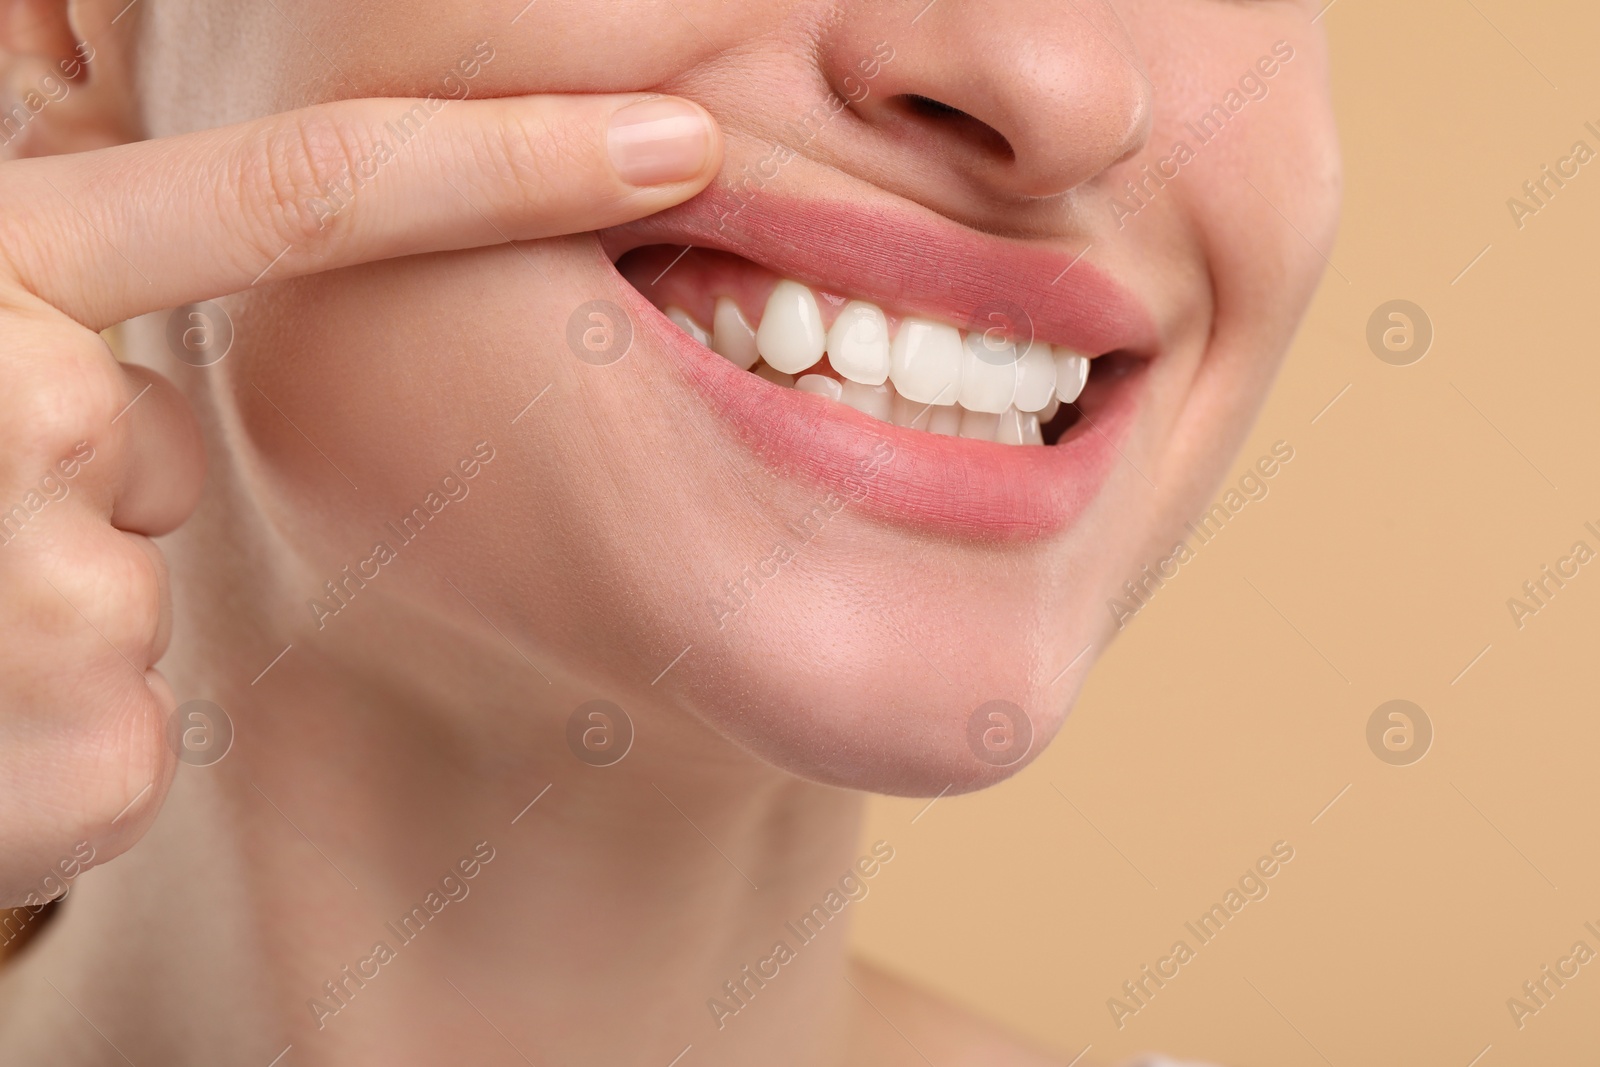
x=1415, y=507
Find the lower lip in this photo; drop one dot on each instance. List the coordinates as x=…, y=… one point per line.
x=926, y=481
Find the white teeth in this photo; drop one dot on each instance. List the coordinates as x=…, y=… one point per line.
x=791, y=337
x=1036, y=378
x=874, y=400
x=988, y=373
x=858, y=343
x=934, y=418
x=1018, y=428
x=925, y=361
x=820, y=384
x=776, y=377
x=945, y=419
x=910, y=413
x=732, y=336
x=1072, y=373
x=929, y=376
x=680, y=318
x=979, y=425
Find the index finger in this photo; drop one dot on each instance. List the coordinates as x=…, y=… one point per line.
x=114, y=233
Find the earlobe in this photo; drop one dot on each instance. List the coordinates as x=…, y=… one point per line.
x=59, y=91
x=36, y=28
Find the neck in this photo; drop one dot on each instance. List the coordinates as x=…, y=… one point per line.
x=412, y=865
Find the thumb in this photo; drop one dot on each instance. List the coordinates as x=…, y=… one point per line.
x=119, y=232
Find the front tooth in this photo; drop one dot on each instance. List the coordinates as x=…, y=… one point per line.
x=682, y=320
x=858, y=343
x=791, y=337
x=1036, y=378
x=874, y=400
x=1072, y=372
x=946, y=419
x=1018, y=428
x=934, y=418
x=820, y=384
x=732, y=336
x=979, y=425
x=988, y=373
x=1050, y=410
x=911, y=413
x=925, y=362
x=776, y=377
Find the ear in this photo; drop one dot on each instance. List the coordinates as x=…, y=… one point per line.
x=35, y=28
x=64, y=84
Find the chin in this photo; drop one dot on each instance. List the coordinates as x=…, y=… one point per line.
x=882, y=721
x=864, y=660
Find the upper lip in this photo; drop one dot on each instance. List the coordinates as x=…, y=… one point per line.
x=910, y=260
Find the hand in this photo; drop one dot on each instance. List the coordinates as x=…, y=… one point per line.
x=96, y=458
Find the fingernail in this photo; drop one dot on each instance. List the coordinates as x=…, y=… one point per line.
x=655, y=142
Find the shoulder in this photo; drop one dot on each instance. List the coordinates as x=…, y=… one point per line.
x=898, y=1024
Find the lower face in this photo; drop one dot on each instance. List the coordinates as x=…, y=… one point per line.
x=845, y=457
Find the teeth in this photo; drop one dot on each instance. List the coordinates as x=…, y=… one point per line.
x=925, y=361
x=1018, y=428
x=820, y=384
x=858, y=344
x=1036, y=378
x=874, y=400
x=680, y=318
x=732, y=335
x=945, y=419
x=1072, y=372
x=936, y=418
x=791, y=337
x=928, y=376
x=988, y=373
x=979, y=425
x=911, y=414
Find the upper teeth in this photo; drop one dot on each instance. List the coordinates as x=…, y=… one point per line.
x=858, y=344
x=732, y=334
x=976, y=385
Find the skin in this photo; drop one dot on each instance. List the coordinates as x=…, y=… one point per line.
x=429, y=712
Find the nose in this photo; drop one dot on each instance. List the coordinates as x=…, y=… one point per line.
x=1028, y=98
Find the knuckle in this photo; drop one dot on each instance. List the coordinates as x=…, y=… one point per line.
x=58, y=402
x=295, y=178
x=126, y=588
x=107, y=604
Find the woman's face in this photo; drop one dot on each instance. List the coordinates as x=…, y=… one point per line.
x=841, y=595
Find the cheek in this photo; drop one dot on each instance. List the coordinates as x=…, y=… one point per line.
x=1267, y=204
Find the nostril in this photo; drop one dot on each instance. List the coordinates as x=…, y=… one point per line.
x=952, y=121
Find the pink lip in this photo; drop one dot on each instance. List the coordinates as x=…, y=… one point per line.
x=941, y=485
x=908, y=263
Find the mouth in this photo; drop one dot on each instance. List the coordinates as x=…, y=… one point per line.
x=996, y=377
x=991, y=382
